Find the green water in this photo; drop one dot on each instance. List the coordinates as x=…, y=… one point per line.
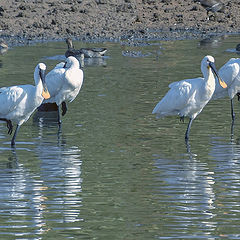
x=114, y=171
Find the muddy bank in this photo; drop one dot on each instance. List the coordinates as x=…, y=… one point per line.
x=30, y=20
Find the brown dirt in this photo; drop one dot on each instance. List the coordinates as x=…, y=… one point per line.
x=113, y=19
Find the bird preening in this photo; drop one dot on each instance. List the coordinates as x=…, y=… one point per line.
x=188, y=97
x=64, y=83
x=60, y=85
x=185, y=98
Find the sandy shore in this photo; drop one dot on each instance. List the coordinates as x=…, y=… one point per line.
x=30, y=20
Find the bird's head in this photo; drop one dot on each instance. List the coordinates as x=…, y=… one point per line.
x=208, y=63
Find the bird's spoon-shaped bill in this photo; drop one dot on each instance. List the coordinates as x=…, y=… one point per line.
x=221, y=82
x=45, y=94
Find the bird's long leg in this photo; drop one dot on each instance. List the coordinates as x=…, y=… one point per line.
x=9, y=125
x=188, y=129
x=59, y=117
x=14, y=136
x=232, y=128
x=64, y=108
x=59, y=121
x=238, y=94
x=232, y=111
x=182, y=119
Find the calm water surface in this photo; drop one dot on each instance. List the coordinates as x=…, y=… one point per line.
x=114, y=171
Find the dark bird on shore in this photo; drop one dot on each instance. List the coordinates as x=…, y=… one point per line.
x=212, y=5
x=87, y=52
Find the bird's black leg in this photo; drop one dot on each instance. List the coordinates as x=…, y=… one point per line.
x=232, y=111
x=182, y=119
x=64, y=108
x=14, y=136
x=9, y=125
x=188, y=129
x=238, y=95
x=59, y=117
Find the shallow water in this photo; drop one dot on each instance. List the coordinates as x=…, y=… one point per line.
x=113, y=171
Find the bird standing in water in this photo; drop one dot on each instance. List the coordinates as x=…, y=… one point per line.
x=187, y=98
x=230, y=73
x=19, y=102
x=64, y=83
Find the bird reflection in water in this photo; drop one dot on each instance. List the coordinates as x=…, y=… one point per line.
x=48, y=119
x=60, y=167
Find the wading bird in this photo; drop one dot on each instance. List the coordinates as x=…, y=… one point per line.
x=19, y=102
x=87, y=52
x=189, y=97
x=229, y=73
x=64, y=84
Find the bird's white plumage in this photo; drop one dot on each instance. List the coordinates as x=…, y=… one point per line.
x=64, y=82
x=181, y=99
x=188, y=97
x=19, y=102
x=230, y=73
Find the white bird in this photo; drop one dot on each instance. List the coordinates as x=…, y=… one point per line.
x=188, y=97
x=64, y=84
x=19, y=102
x=230, y=73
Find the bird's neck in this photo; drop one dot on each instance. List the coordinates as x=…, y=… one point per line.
x=38, y=84
x=210, y=83
x=70, y=45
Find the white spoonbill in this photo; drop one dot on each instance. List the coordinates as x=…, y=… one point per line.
x=188, y=97
x=19, y=102
x=230, y=73
x=64, y=84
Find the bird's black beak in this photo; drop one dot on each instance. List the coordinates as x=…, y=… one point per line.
x=221, y=82
x=45, y=92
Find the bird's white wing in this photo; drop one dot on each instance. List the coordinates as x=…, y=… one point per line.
x=74, y=80
x=3, y=89
x=10, y=97
x=229, y=72
x=176, y=98
x=60, y=65
x=54, y=81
